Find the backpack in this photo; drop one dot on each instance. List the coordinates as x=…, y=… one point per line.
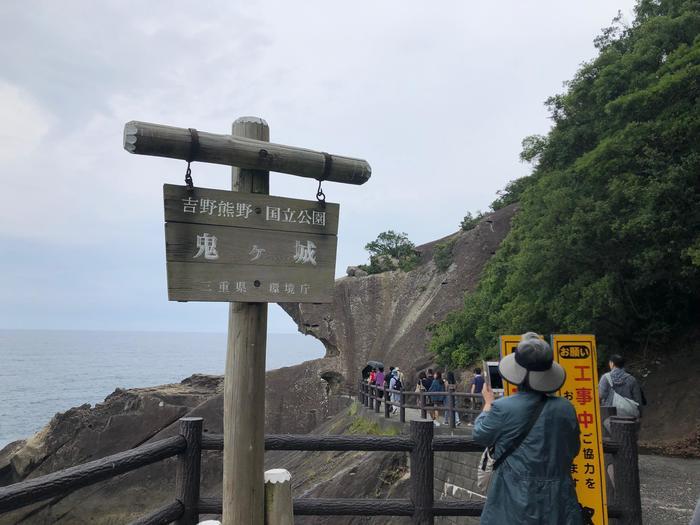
x=398, y=385
x=625, y=406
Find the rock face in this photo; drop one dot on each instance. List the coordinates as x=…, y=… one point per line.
x=384, y=317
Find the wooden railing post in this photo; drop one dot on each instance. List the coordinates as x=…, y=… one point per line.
x=387, y=405
x=402, y=407
x=451, y=398
x=421, y=404
x=377, y=403
x=187, y=477
x=278, y=497
x=422, y=472
x=626, y=470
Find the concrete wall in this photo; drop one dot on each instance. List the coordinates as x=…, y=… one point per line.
x=455, y=480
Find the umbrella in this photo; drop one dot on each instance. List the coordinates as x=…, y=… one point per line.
x=375, y=364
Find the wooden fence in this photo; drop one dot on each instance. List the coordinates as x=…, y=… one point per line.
x=372, y=397
x=420, y=443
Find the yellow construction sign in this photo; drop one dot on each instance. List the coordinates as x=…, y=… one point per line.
x=577, y=355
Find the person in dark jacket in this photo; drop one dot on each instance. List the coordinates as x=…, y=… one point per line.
x=620, y=382
x=438, y=385
x=427, y=379
x=533, y=485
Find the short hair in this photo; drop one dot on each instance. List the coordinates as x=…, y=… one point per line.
x=422, y=375
x=430, y=371
x=381, y=369
x=617, y=360
x=477, y=370
x=438, y=374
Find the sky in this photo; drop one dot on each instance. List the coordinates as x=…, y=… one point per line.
x=436, y=96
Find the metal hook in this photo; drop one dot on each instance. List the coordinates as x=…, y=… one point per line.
x=194, y=149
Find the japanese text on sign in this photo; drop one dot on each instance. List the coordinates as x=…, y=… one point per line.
x=577, y=354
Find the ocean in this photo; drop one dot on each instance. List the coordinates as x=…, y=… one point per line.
x=43, y=372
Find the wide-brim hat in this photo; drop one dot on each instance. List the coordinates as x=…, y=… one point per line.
x=532, y=362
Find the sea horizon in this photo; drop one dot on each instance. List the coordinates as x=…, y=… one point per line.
x=48, y=371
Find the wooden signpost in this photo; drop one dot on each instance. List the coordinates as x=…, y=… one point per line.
x=247, y=248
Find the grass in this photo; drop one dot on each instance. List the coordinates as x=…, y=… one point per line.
x=360, y=425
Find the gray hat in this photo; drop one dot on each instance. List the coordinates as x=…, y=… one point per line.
x=533, y=362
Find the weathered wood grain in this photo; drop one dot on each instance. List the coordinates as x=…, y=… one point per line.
x=66, y=481
x=239, y=246
x=422, y=474
x=251, y=210
x=144, y=138
x=187, y=475
x=203, y=282
x=279, y=509
x=244, y=380
x=626, y=472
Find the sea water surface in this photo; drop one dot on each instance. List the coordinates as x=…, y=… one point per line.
x=43, y=372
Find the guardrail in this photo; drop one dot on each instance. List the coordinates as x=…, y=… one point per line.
x=421, y=444
x=372, y=397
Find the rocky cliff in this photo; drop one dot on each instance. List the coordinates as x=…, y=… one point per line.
x=385, y=316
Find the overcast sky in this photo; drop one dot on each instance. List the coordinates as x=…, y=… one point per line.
x=437, y=96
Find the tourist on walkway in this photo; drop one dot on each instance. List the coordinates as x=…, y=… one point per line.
x=536, y=438
x=379, y=381
x=395, y=384
x=438, y=385
x=427, y=380
x=452, y=385
x=475, y=387
x=619, y=382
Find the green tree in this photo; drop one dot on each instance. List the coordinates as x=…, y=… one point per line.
x=391, y=251
x=606, y=240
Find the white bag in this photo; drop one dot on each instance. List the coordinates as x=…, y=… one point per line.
x=485, y=470
x=625, y=407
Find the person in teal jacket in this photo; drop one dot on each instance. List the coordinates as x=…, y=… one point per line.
x=533, y=485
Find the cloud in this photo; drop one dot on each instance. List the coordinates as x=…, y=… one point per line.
x=436, y=97
x=24, y=123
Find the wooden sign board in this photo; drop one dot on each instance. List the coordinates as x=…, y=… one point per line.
x=230, y=246
x=577, y=355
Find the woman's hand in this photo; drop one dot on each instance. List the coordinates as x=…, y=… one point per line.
x=488, y=396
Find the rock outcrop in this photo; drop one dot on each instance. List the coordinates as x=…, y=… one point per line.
x=385, y=316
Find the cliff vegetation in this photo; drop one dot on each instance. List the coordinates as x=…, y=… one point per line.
x=607, y=237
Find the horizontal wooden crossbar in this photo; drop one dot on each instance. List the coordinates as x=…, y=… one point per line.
x=307, y=442
x=66, y=481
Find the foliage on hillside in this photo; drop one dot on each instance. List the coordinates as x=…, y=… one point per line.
x=391, y=251
x=607, y=239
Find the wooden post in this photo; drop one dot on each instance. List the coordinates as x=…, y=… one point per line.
x=402, y=407
x=187, y=477
x=244, y=383
x=626, y=472
x=377, y=403
x=605, y=414
x=387, y=405
x=422, y=472
x=279, y=509
x=451, y=397
x=421, y=404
